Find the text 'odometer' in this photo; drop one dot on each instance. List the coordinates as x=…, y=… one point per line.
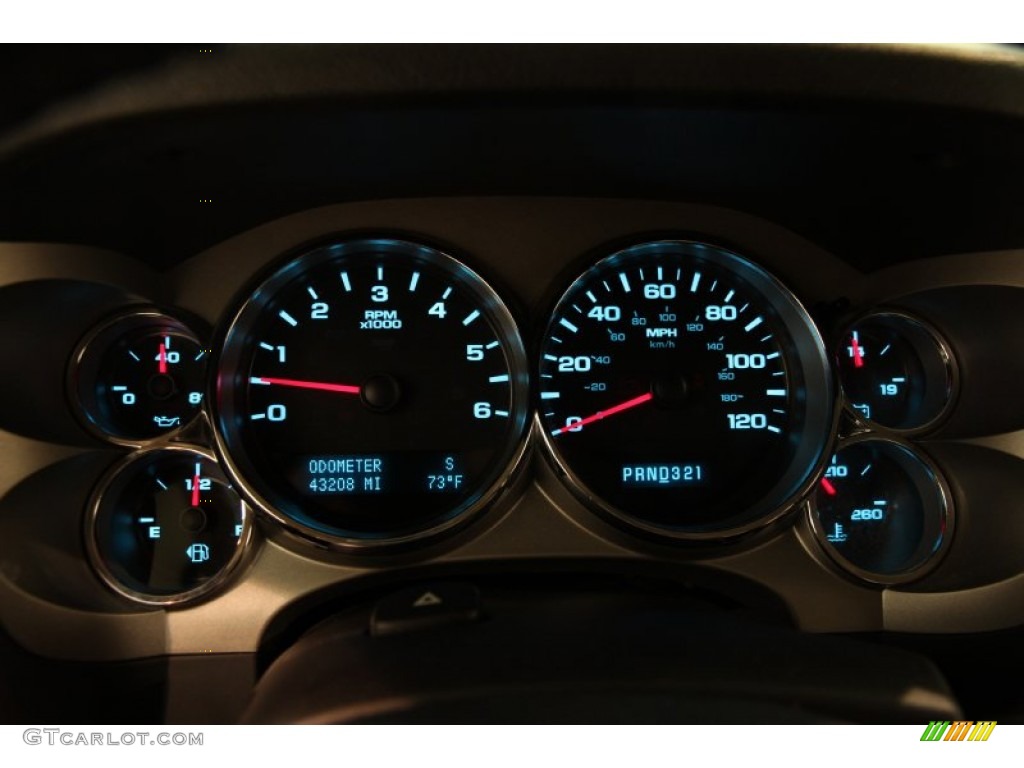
x=684, y=390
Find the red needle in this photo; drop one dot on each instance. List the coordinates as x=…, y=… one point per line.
x=829, y=488
x=347, y=389
x=195, y=488
x=163, y=357
x=602, y=414
x=858, y=358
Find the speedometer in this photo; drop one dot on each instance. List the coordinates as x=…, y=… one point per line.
x=684, y=391
x=372, y=392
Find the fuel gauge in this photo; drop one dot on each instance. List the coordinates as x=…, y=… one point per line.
x=166, y=527
x=882, y=511
x=897, y=372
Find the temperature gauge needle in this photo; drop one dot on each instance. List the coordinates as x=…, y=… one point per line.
x=195, y=486
x=829, y=488
x=575, y=426
x=344, y=388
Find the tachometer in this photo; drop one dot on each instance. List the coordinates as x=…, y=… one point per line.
x=684, y=391
x=372, y=391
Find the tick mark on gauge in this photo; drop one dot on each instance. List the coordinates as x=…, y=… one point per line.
x=501, y=413
x=771, y=356
x=498, y=379
x=134, y=356
x=695, y=282
x=551, y=358
x=258, y=380
x=380, y=274
x=592, y=297
x=471, y=317
x=566, y=324
x=550, y=395
x=625, y=281
x=775, y=392
x=288, y=318
x=264, y=345
x=660, y=275
x=447, y=293
x=776, y=430
x=414, y=281
x=161, y=483
x=753, y=323
x=492, y=345
x=345, y=281
x=728, y=296
x=312, y=293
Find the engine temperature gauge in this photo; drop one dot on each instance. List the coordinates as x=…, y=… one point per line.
x=882, y=511
x=896, y=372
x=166, y=527
x=139, y=377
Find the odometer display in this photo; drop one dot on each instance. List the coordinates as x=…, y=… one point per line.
x=372, y=391
x=683, y=390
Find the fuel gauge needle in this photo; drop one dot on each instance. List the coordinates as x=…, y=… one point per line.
x=195, y=486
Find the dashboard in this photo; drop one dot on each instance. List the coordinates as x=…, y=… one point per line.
x=304, y=392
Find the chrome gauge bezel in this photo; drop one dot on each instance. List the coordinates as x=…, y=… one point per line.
x=822, y=406
x=84, y=368
x=947, y=361
x=241, y=555
x=225, y=386
x=831, y=557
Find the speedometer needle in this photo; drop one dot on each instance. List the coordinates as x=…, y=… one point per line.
x=345, y=388
x=578, y=425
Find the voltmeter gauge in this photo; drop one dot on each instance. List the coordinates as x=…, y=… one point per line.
x=896, y=371
x=882, y=511
x=166, y=527
x=138, y=377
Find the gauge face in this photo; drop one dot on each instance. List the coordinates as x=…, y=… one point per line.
x=684, y=390
x=166, y=526
x=882, y=511
x=140, y=377
x=896, y=371
x=372, y=392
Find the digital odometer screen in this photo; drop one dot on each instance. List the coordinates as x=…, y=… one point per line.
x=382, y=474
x=683, y=388
x=379, y=390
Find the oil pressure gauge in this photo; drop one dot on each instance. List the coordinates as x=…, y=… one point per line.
x=138, y=377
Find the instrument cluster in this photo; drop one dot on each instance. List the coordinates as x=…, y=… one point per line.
x=367, y=395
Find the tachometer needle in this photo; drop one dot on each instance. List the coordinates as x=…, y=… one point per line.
x=858, y=356
x=163, y=357
x=345, y=388
x=575, y=426
x=829, y=488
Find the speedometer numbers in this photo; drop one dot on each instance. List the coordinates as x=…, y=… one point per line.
x=372, y=392
x=683, y=391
